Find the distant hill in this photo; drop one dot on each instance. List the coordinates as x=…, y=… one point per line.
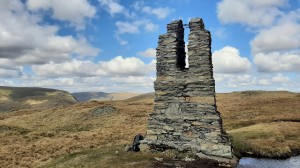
x=102, y=96
x=16, y=98
x=86, y=96
x=142, y=96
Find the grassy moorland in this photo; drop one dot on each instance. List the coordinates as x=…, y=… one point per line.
x=264, y=124
x=94, y=133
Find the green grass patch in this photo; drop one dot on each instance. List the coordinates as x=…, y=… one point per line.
x=105, y=158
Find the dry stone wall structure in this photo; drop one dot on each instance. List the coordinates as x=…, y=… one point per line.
x=185, y=116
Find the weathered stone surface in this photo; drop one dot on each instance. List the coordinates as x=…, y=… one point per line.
x=185, y=116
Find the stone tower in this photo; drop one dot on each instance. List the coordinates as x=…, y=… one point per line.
x=185, y=116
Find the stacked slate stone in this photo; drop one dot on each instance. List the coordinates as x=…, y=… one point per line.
x=185, y=116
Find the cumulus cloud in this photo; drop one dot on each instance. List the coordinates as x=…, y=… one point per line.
x=135, y=80
x=113, y=8
x=133, y=28
x=74, y=11
x=25, y=42
x=261, y=81
x=118, y=66
x=160, y=12
x=277, y=62
x=254, y=13
x=280, y=78
x=228, y=60
x=66, y=69
x=150, y=52
x=281, y=37
x=126, y=27
x=227, y=82
x=278, y=47
x=9, y=73
x=274, y=80
x=264, y=82
x=275, y=47
x=81, y=84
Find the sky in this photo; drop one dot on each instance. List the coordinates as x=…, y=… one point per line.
x=109, y=45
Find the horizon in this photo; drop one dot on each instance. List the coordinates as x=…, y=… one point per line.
x=91, y=91
x=109, y=45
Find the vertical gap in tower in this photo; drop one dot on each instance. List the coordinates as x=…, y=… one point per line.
x=186, y=39
x=181, y=48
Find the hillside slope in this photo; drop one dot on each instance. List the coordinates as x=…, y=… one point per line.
x=94, y=133
x=16, y=98
x=102, y=96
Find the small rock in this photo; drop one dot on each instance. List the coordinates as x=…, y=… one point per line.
x=158, y=159
x=188, y=159
x=117, y=152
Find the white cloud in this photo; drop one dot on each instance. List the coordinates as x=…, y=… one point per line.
x=255, y=13
x=118, y=66
x=120, y=40
x=150, y=52
x=135, y=80
x=67, y=69
x=227, y=82
x=260, y=81
x=9, y=73
x=281, y=37
x=113, y=8
x=126, y=27
x=24, y=41
x=150, y=27
x=74, y=11
x=264, y=82
x=80, y=84
x=116, y=75
x=280, y=78
x=228, y=60
x=133, y=28
x=277, y=48
x=160, y=12
x=277, y=62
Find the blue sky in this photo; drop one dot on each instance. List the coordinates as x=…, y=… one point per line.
x=109, y=45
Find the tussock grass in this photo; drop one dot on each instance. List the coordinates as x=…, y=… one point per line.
x=60, y=131
x=260, y=123
x=277, y=139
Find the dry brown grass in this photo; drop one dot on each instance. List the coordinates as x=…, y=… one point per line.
x=122, y=95
x=240, y=109
x=264, y=124
x=64, y=136
x=55, y=132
